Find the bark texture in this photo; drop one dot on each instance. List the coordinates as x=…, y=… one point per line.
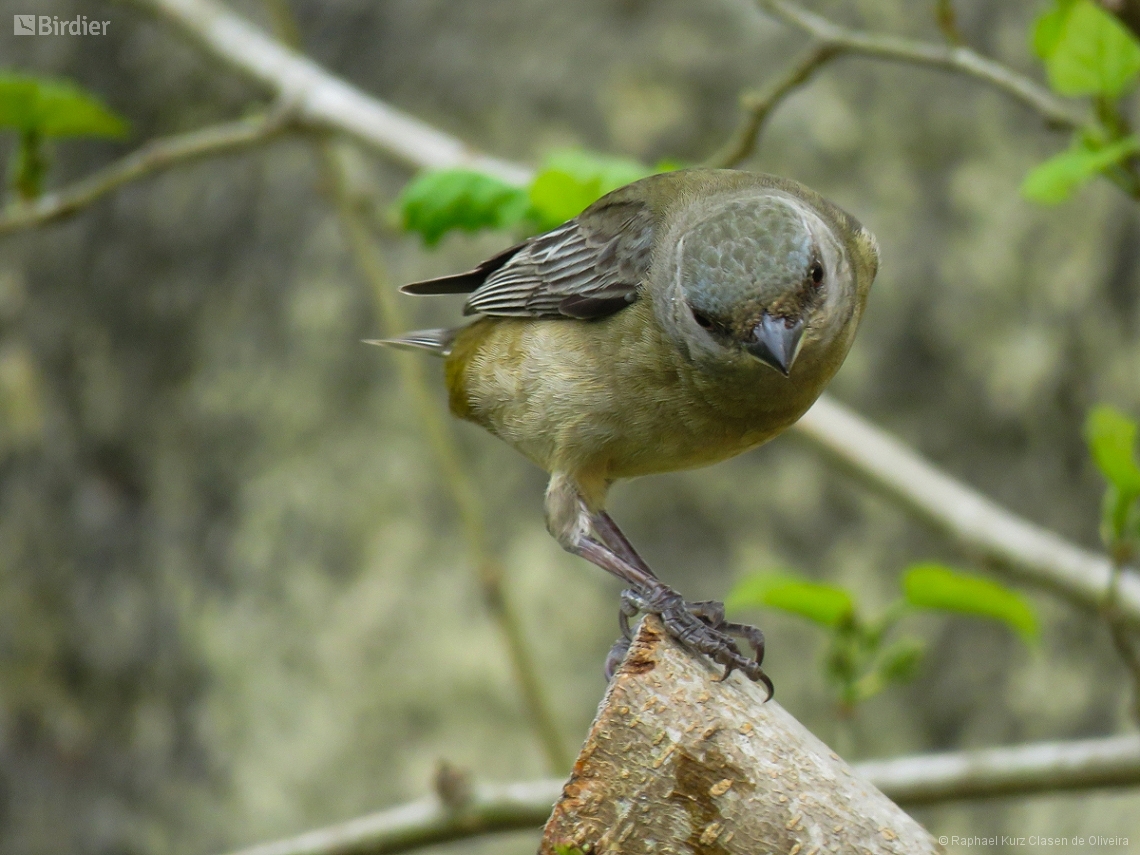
x=676, y=762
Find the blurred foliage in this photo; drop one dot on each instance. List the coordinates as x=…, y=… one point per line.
x=40, y=108
x=437, y=202
x=1111, y=436
x=861, y=660
x=1086, y=51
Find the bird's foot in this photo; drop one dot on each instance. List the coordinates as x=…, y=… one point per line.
x=700, y=626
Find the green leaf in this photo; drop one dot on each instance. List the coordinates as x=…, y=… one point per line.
x=1047, y=30
x=826, y=605
x=1111, y=437
x=54, y=108
x=1055, y=180
x=1087, y=51
x=572, y=180
x=434, y=203
x=933, y=586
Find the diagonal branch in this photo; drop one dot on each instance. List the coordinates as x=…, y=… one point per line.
x=320, y=99
x=998, y=538
x=921, y=779
x=153, y=157
x=1056, y=112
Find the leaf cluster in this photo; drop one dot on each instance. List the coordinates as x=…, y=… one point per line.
x=863, y=657
x=1087, y=53
x=435, y=203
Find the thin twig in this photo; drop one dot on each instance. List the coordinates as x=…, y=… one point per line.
x=455, y=474
x=920, y=779
x=962, y=59
x=998, y=538
x=153, y=157
x=757, y=106
x=1123, y=638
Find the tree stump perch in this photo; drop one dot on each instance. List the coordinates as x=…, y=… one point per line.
x=676, y=762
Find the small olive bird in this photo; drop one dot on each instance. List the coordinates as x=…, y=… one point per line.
x=678, y=321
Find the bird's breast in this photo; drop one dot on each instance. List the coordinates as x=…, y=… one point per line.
x=610, y=397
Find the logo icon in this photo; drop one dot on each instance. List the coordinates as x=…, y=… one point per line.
x=25, y=25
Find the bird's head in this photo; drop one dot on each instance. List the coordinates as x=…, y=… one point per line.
x=771, y=276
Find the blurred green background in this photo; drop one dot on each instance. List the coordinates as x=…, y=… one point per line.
x=235, y=602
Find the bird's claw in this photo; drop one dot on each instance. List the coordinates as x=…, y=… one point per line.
x=700, y=626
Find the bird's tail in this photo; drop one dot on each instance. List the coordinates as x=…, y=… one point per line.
x=437, y=342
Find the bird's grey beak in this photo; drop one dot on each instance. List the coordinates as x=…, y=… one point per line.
x=775, y=343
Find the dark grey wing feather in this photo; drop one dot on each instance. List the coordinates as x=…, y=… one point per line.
x=462, y=283
x=587, y=268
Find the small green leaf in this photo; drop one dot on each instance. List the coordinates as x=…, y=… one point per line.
x=826, y=605
x=556, y=197
x=1111, y=437
x=1048, y=28
x=1087, y=51
x=434, y=203
x=1055, y=180
x=54, y=108
x=572, y=180
x=933, y=586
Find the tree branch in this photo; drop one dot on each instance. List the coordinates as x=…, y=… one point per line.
x=492, y=808
x=153, y=157
x=1016, y=771
x=757, y=106
x=320, y=99
x=678, y=760
x=1056, y=112
x=996, y=537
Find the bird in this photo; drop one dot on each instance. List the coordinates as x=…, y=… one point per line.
x=676, y=322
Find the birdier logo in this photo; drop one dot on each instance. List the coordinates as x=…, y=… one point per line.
x=52, y=25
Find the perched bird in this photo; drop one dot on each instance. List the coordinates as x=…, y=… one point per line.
x=678, y=321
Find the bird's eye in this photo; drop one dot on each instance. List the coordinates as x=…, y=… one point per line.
x=703, y=321
x=817, y=272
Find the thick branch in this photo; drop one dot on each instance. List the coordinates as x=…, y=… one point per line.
x=757, y=106
x=678, y=761
x=154, y=157
x=951, y=57
x=1028, y=553
x=320, y=99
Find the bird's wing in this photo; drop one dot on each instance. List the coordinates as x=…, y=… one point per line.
x=587, y=268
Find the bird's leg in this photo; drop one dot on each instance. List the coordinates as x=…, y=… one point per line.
x=595, y=537
x=612, y=537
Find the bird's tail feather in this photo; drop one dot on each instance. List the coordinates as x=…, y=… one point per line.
x=437, y=342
